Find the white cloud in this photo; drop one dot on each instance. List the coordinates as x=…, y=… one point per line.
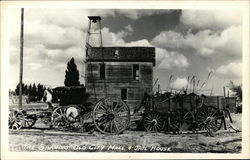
x=205, y=42
x=168, y=60
x=179, y=83
x=142, y=42
x=211, y=19
x=34, y=66
x=169, y=39
x=112, y=39
x=231, y=70
x=116, y=39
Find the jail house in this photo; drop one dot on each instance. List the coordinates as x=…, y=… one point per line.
x=124, y=72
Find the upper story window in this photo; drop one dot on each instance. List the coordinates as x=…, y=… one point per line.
x=102, y=71
x=136, y=72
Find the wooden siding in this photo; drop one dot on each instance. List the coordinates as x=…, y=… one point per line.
x=119, y=75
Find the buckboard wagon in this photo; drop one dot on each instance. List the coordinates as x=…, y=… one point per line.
x=177, y=112
x=166, y=112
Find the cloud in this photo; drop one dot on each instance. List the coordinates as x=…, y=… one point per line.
x=179, y=83
x=136, y=14
x=210, y=19
x=50, y=36
x=205, y=42
x=231, y=70
x=168, y=60
x=116, y=39
x=113, y=39
x=77, y=18
x=169, y=39
x=142, y=42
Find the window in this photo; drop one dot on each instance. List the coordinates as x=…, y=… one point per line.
x=102, y=70
x=136, y=72
x=124, y=93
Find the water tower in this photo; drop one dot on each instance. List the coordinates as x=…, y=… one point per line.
x=94, y=34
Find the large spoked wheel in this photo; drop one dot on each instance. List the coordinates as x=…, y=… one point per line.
x=111, y=115
x=209, y=118
x=58, y=118
x=153, y=122
x=16, y=119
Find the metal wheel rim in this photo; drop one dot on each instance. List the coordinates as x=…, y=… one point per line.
x=209, y=118
x=16, y=119
x=111, y=115
x=153, y=122
x=58, y=117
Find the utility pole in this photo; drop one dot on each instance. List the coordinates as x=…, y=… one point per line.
x=21, y=62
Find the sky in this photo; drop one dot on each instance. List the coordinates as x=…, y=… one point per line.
x=188, y=43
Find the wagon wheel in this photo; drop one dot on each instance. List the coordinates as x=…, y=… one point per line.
x=16, y=119
x=153, y=121
x=188, y=118
x=111, y=115
x=29, y=121
x=58, y=118
x=74, y=119
x=209, y=118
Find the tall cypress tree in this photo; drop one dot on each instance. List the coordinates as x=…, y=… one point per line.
x=71, y=74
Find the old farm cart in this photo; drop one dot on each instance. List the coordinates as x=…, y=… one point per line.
x=178, y=112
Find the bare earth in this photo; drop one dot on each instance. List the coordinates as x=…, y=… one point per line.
x=224, y=141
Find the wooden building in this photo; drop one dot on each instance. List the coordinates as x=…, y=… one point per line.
x=124, y=72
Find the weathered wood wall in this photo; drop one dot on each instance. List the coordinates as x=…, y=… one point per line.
x=119, y=75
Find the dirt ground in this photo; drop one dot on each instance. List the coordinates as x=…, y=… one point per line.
x=224, y=141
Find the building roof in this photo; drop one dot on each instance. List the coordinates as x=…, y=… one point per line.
x=121, y=54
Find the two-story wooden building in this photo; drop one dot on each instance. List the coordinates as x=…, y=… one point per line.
x=124, y=72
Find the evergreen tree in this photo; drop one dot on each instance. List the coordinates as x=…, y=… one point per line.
x=25, y=89
x=17, y=89
x=71, y=74
x=29, y=90
x=40, y=91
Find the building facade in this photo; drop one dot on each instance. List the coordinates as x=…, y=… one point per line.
x=124, y=72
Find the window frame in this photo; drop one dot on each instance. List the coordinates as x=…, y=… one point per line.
x=136, y=69
x=102, y=71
